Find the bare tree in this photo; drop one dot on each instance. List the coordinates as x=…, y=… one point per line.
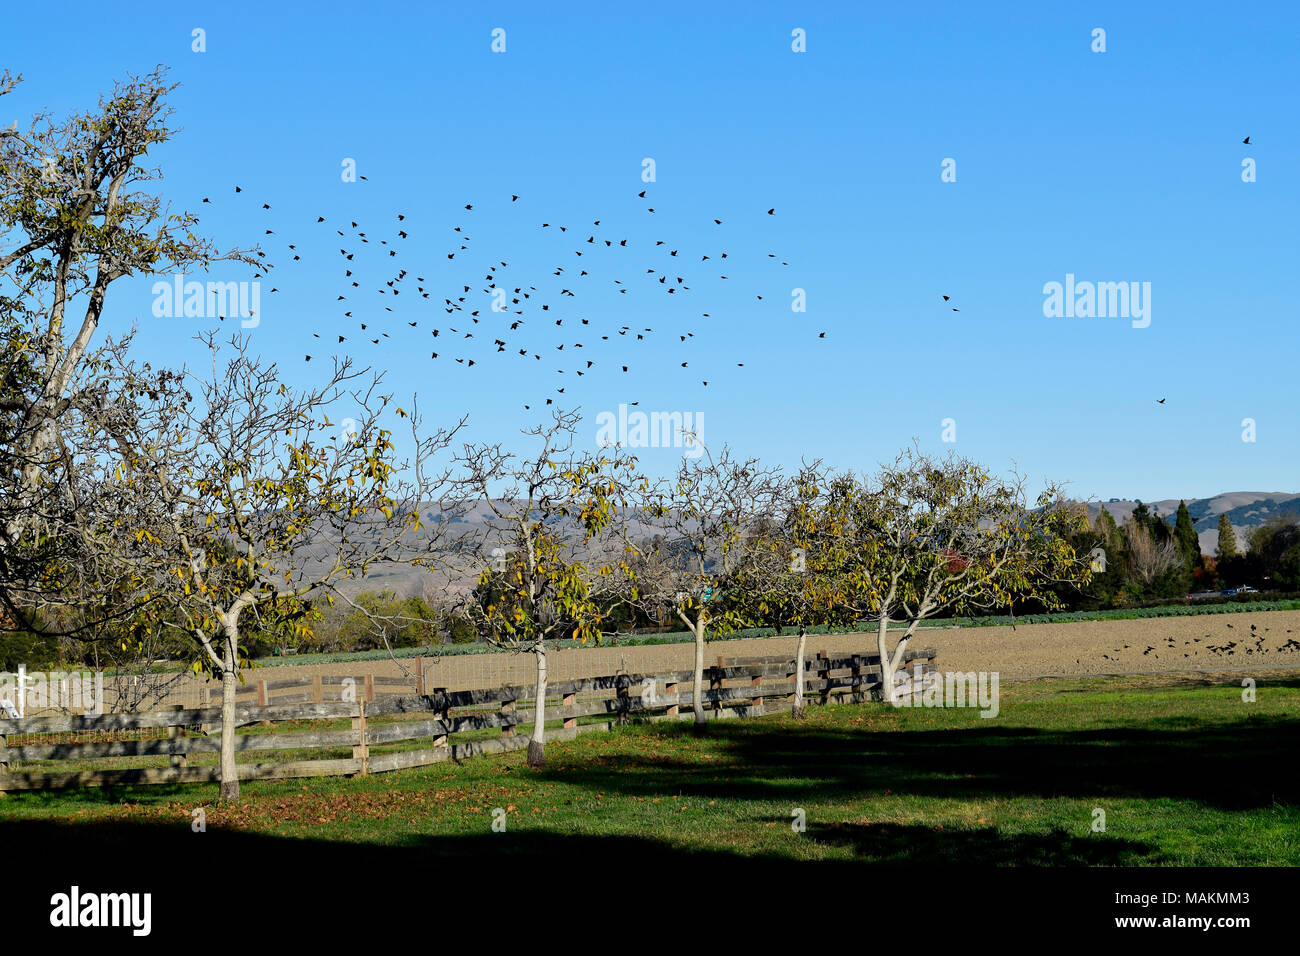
x=1148, y=558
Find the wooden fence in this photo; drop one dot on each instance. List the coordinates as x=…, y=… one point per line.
x=331, y=726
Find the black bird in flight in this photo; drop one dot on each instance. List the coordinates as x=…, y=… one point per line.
x=1160, y=401
x=1246, y=140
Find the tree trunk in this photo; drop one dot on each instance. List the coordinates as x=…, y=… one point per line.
x=886, y=663
x=229, y=773
x=229, y=684
x=537, y=744
x=697, y=689
x=38, y=440
x=799, y=672
x=900, y=648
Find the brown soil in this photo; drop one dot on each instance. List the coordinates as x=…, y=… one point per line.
x=1062, y=650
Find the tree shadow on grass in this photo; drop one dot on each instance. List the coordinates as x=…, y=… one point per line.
x=1237, y=766
x=268, y=870
x=914, y=844
x=290, y=878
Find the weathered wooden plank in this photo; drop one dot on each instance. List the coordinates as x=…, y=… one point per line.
x=407, y=730
x=244, y=714
x=383, y=679
x=409, y=758
x=302, y=698
x=183, y=745
x=409, y=704
x=492, y=745
x=288, y=682
x=100, y=778
x=484, y=721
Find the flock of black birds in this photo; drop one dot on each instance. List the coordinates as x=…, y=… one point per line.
x=510, y=304
x=1249, y=646
x=525, y=300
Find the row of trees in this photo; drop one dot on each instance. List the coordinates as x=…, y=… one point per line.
x=202, y=513
x=1270, y=560
x=184, y=512
x=1145, y=559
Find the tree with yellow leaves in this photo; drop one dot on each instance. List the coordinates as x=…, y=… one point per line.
x=242, y=502
x=932, y=535
x=552, y=571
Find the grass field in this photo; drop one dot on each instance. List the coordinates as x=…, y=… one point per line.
x=1186, y=772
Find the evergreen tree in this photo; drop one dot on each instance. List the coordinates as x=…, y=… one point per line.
x=1185, y=533
x=1160, y=530
x=1227, y=547
x=1109, y=531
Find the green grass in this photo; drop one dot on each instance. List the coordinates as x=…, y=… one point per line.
x=1186, y=773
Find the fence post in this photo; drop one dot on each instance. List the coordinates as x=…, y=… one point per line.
x=715, y=683
x=444, y=715
x=824, y=674
x=204, y=703
x=859, y=681
x=370, y=686
x=756, y=704
x=419, y=676
x=621, y=684
x=670, y=691
x=174, y=733
x=261, y=693
x=317, y=689
x=918, y=671
x=361, y=750
x=507, y=710
x=569, y=702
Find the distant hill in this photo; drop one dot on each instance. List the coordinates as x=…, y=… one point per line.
x=1246, y=510
x=410, y=581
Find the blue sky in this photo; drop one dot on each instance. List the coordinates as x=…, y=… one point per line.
x=1116, y=166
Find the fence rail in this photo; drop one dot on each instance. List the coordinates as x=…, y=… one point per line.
x=408, y=729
